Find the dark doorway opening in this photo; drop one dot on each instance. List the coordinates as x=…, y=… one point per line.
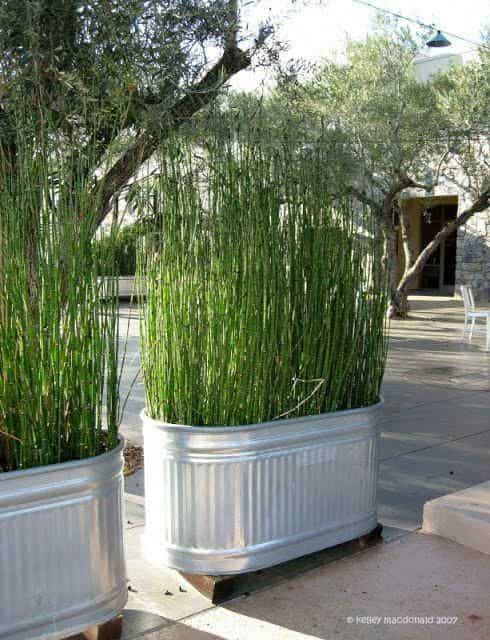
x=440, y=269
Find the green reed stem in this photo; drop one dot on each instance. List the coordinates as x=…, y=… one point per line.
x=58, y=339
x=264, y=296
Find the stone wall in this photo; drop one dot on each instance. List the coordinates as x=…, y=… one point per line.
x=473, y=256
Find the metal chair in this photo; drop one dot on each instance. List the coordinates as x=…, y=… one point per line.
x=471, y=314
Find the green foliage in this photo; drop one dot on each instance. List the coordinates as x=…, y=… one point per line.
x=464, y=92
x=464, y=99
x=388, y=123
x=111, y=75
x=58, y=340
x=264, y=297
x=109, y=48
x=272, y=120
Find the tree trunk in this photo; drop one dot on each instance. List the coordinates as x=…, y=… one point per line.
x=399, y=306
x=398, y=303
x=391, y=260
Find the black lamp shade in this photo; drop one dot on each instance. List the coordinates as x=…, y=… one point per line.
x=439, y=40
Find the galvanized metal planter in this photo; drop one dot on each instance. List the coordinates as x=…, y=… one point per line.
x=228, y=500
x=131, y=287
x=128, y=287
x=62, y=563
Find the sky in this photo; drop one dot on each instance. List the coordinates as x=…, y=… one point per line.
x=319, y=28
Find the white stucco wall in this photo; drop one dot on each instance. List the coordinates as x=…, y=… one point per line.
x=473, y=239
x=426, y=67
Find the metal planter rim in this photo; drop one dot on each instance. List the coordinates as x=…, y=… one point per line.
x=331, y=415
x=263, y=438
x=63, y=466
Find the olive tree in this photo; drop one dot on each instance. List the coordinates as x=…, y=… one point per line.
x=464, y=100
x=388, y=132
x=111, y=79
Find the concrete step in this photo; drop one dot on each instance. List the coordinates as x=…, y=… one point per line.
x=463, y=516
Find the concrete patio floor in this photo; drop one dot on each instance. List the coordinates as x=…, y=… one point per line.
x=435, y=440
x=436, y=429
x=414, y=588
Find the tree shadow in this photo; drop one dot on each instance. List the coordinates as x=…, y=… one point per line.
x=144, y=624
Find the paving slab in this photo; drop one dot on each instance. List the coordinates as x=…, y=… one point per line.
x=463, y=516
x=392, y=444
x=157, y=590
x=417, y=587
x=134, y=511
x=346, y=597
x=408, y=481
x=135, y=484
x=461, y=415
x=407, y=392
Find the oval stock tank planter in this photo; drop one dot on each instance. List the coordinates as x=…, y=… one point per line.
x=62, y=563
x=127, y=286
x=229, y=500
x=131, y=287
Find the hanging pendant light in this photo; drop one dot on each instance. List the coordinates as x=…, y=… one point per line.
x=439, y=40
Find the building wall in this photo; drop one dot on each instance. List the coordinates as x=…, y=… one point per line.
x=473, y=239
x=426, y=67
x=473, y=256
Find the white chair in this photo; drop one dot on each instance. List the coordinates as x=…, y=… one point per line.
x=471, y=315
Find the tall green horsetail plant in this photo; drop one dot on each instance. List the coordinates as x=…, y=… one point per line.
x=58, y=339
x=265, y=297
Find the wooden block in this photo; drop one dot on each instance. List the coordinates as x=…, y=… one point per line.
x=371, y=538
x=217, y=588
x=110, y=630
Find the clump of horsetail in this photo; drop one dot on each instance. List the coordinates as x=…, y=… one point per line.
x=265, y=297
x=58, y=336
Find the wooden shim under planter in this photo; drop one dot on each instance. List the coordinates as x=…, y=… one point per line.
x=110, y=630
x=220, y=589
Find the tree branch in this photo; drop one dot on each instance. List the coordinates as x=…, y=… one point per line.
x=202, y=93
x=363, y=197
x=397, y=187
x=421, y=185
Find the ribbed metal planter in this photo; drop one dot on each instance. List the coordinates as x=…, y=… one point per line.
x=228, y=500
x=128, y=287
x=131, y=287
x=61, y=547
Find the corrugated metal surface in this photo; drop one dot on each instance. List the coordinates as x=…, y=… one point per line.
x=229, y=500
x=62, y=563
